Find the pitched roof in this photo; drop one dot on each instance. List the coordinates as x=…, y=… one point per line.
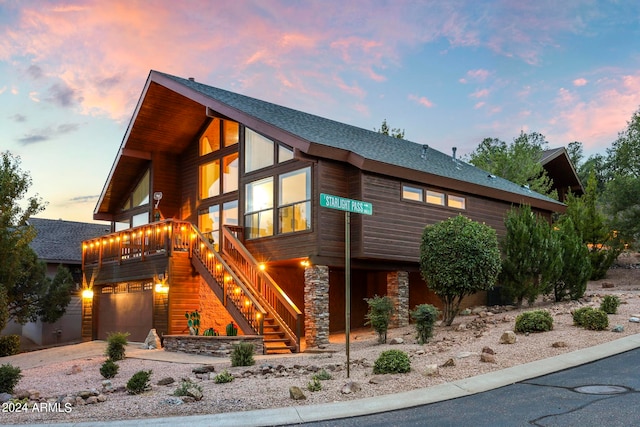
x=59, y=241
x=365, y=143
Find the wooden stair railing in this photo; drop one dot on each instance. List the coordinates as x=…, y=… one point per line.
x=281, y=309
x=232, y=291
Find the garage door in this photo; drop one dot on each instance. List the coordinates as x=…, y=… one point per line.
x=126, y=307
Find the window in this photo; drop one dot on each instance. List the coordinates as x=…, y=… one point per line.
x=294, y=204
x=209, y=224
x=140, y=219
x=284, y=154
x=231, y=133
x=435, y=198
x=210, y=179
x=140, y=195
x=412, y=193
x=456, y=202
x=230, y=213
x=259, y=208
x=230, y=173
x=210, y=139
x=258, y=151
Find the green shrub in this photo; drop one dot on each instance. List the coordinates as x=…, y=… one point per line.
x=392, y=362
x=9, y=377
x=116, y=342
x=578, y=315
x=323, y=375
x=595, y=320
x=139, y=382
x=211, y=333
x=242, y=354
x=425, y=316
x=534, y=321
x=314, y=384
x=109, y=369
x=610, y=304
x=223, y=377
x=185, y=385
x=9, y=345
x=379, y=315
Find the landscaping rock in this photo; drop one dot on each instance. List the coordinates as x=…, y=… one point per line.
x=618, y=328
x=634, y=319
x=487, y=358
x=296, y=393
x=152, y=341
x=488, y=350
x=449, y=363
x=194, y=392
x=430, y=370
x=396, y=340
x=350, y=387
x=508, y=337
x=559, y=344
x=204, y=369
x=166, y=381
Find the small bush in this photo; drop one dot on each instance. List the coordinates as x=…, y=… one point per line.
x=116, y=342
x=109, y=369
x=232, y=329
x=579, y=314
x=9, y=345
x=610, y=304
x=139, y=382
x=242, y=354
x=534, y=321
x=9, y=377
x=595, y=320
x=223, y=377
x=379, y=315
x=392, y=362
x=425, y=316
x=323, y=375
x=314, y=384
x=185, y=385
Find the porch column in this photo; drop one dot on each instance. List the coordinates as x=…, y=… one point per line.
x=316, y=305
x=398, y=291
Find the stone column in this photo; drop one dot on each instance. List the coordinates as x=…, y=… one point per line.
x=398, y=291
x=316, y=305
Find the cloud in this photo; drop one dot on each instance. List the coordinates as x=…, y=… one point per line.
x=84, y=199
x=35, y=72
x=18, y=118
x=421, y=100
x=3, y=89
x=48, y=133
x=479, y=105
x=478, y=75
x=481, y=93
x=63, y=95
x=580, y=82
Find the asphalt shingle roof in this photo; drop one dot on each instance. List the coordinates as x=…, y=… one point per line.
x=368, y=144
x=61, y=241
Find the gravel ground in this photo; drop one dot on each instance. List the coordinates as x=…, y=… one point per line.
x=463, y=342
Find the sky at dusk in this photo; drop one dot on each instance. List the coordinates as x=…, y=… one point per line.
x=449, y=73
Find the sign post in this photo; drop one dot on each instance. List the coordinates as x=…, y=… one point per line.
x=348, y=206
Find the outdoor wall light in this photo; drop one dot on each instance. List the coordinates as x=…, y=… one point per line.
x=305, y=263
x=161, y=288
x=87, y=293
x=262, y=266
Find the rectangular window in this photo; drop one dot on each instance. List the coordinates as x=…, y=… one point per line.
x=456, y=202
x=294, y=204
x=230, y=173
x=140, y=194
x=231, y=133
x=259, y=208
x=435, y=198
x=258, y=151
x=284, y=154
x=210, y=179
x=230, y=213
x=412, y=193
x=140, y=219
x=210, y=139
x=209, y=224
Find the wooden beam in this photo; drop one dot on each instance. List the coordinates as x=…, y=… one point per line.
x=127, y=152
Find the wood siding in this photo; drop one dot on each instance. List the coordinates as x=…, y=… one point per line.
x=128, y=270
x=184, y=292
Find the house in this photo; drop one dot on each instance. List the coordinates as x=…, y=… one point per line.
x=562, y=172
x=214, y=200
x=59, y=242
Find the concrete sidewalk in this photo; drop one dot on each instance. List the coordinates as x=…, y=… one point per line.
x=328, y=411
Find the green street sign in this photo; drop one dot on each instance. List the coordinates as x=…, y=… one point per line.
x=344, y=204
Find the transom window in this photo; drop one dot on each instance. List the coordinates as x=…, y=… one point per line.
x=433, y=197
x=258, y=151
x=412, y=193
x=219, y=130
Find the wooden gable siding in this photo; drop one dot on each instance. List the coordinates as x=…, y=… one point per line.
x=184, y=293
x=166, y=177
x=394, y=230
x=189, y=188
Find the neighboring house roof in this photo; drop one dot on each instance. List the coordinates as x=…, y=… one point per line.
x=59, y=241
x=561, y=170
x=168, y=104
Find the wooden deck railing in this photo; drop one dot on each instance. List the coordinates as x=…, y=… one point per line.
x=286, y=312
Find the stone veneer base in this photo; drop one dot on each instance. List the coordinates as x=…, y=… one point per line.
x=219, y=346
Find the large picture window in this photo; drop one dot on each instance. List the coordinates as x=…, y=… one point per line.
x=210, y=139
x=210, y=179
x=210, y=221
x=259, y=208
x=294, y=204
x=258, y=151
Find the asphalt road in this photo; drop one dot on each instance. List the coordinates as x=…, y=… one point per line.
x=556, y=399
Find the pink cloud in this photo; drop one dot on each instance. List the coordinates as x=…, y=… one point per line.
x=421, y=100
x=479, y=75
x=580, y=82
x=481, y=93
x=479, y=105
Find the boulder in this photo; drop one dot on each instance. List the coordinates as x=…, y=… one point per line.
x=350, y=387
x=296, y=393
x=152, y=341
x=430, y=370
x=508, y=337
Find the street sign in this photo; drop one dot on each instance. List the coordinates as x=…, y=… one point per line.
x=344, y=204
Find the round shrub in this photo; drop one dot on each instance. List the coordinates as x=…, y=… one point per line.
x=9, y=377
x=425, y=316
x=534, y=321
x=139, y=382
x=9, y=345
x=610, y=304
x=242, y=354
x=595, y=320
x=392, y=362
x=109, y=369
x=579, y=314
